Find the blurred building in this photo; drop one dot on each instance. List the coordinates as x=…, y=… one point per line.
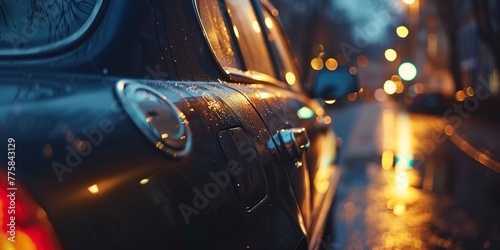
x=476, y=60
x=434, y=51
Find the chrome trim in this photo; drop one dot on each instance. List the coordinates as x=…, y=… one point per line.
x=252, y=76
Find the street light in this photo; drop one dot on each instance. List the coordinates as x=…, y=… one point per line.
x=416, y=7
x=390, y=87
x=412, y=30
x=402, y=31
x=407, y=71
x=390, y=55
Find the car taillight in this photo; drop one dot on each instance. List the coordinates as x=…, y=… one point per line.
x=25, y=225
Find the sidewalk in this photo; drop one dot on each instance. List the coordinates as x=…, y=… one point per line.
x=360, y=127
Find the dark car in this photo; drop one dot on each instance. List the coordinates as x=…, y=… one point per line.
x=334, y=83
x=160, y=124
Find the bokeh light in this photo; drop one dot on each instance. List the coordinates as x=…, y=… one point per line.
x=269, y=22
x=469, y=91
x=390, y=55
x=290, y=78
x=331, y=64
x=256, y=26
x=407, y=71
x=317, y=63
x=402, y=31
x=353, y=70
x=362, y=61
x=390, y=87
x=399, y=209
x=94, y=189
x=408, y=1
x=400, y=87
x=395, y=78
x=352, y=96
x=418, y=88
x=387, y=160
x=460, y=96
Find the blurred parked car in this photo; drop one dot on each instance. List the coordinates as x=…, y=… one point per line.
x=333, y=83
x=157, y=125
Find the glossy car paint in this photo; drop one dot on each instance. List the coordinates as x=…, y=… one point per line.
x=74, y=135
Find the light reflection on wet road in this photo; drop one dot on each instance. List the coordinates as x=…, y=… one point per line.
x=401, y=195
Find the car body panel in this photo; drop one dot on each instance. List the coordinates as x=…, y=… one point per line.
x=89, y=140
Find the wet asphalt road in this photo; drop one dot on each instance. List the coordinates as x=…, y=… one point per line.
x=410, y=182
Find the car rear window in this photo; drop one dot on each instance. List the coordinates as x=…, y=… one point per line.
x=31, y=26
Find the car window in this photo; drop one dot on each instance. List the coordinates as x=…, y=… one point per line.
x=250, y=37
x=212, y=18
x=28, y=26
x=223, y=20
x=288, y=71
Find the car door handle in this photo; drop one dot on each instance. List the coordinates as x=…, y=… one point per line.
x=296, y=142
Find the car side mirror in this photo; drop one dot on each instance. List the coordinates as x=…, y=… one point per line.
x=336, y=84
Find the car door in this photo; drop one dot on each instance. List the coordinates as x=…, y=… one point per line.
x=265, y=73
